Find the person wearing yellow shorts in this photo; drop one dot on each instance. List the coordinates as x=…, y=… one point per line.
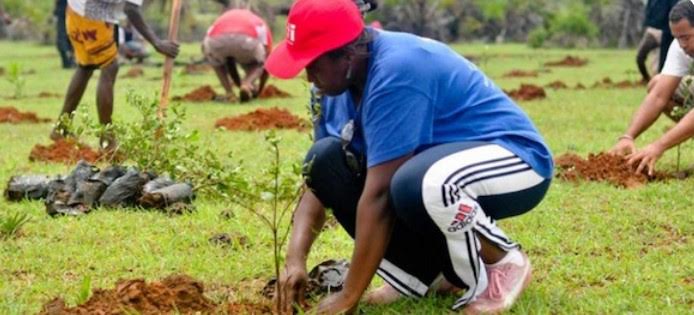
x=91, y=27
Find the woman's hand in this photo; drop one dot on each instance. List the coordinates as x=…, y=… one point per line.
x=338, y=303
x=293, y=283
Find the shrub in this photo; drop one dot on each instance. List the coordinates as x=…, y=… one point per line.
x=537, y=37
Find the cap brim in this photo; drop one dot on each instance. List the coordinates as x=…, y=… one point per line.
x=283, y=64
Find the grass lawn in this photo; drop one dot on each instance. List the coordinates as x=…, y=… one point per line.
x=595, y=248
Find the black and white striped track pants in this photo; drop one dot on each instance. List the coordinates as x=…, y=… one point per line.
x=443, y=198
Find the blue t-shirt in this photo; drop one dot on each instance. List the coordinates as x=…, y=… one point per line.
x=420, y=93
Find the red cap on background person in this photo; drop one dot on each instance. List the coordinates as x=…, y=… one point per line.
x=314, y=27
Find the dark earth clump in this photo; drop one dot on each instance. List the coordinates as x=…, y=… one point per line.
x=520, y=74
x=602, y=167
x=557, y=85
x=271, y=91
x=262, y=119
x=568, y=61
x=14, y=116
x=204, y=93
x=45, y=94
x=134, y=72
x=527, y=92
x=197, y=68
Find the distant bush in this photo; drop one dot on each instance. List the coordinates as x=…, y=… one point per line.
x=537, y=37
x=572, y=27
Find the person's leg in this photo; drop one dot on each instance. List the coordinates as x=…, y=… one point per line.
x=104, y=102
x=233, y=72
x=253, y=73
x=73, y=96
x=409, y=265
x=648, y=43
x=63, y=44
x=438, y=193
x=104, y=93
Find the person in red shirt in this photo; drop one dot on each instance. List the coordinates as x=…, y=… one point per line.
x=239, y=36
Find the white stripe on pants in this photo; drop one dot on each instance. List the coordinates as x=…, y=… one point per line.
x=449, y=191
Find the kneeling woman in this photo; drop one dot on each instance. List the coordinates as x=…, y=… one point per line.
x=417, y=153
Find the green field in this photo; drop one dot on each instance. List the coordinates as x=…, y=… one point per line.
x=596, y=249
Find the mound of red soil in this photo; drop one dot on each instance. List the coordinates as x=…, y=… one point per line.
x=199, y=68
x=204, y=93
x=527, y=92
x=520, y=74
x=626, y=84
x=250, y=309
x=580, y=86
x=178, y=294
x=14, y=116
x=601, y=167
x=557, y=85
x=568, y=61
x=271, y=91
x=134, y=72
x=45, y=94
x=262, y=119
x=2, y=71
x=64, y=151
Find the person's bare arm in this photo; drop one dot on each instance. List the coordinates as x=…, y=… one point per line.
x=646, y=158
x=373, y=229
x=165, y=47
x=649, y=111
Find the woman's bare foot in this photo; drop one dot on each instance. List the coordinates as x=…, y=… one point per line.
x=386, y=294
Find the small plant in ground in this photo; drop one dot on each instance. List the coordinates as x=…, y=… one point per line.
x=11, y=225
x=16, y=78
x=270, y=197
x=85, y=290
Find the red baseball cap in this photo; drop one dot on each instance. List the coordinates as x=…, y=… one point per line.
x=314, y=27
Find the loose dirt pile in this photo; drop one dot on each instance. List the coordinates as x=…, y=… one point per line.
x=197, y=68
x=520, y=74
x=607, y=83
x=45, y=94
x=134, y=72
x=14, y=116
x=568, y=61
x=271, y=91
x=262, y=119
x=2, y=71
x=557, y=85
x=601, y=167
x=177, y=294
x=205, y=93
x=64, y=151
x=527, y=92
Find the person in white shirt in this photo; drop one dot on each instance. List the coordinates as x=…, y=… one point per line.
x=670, y=93
x=91, y=27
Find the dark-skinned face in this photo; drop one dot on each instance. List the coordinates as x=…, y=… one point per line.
x=683, y=32
x=329, y=74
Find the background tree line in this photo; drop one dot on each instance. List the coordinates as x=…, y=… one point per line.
x=540, y=23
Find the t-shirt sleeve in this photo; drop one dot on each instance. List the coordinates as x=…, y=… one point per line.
x=677, y=62
x=396, y=121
